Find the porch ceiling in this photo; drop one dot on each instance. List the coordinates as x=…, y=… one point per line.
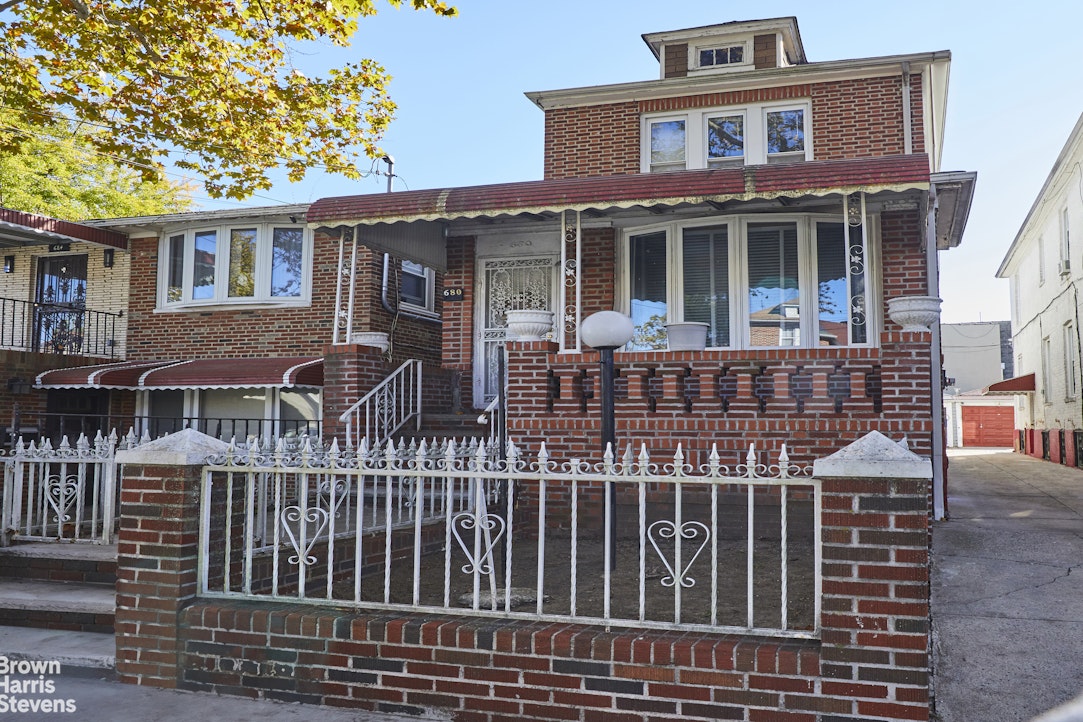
x=606, y=193
x=275, y=372
x=28, y=229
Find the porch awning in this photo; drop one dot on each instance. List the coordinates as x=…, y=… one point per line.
x=814, y=178
x=1011, y=387
x=18, y=228
x=223, y=373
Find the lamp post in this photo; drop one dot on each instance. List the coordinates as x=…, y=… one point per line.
x=606, y=331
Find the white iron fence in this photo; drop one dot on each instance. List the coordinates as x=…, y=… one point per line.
x=63, y=494
x=628, y=542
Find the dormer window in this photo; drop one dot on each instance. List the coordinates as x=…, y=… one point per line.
x=726, y=55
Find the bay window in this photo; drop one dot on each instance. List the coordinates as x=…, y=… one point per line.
x=262, y=263
x=756, y=282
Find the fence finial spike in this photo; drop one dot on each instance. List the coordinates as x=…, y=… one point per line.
x=783, y=456
x=363, y=447
x=543, y=455
x=422, y=448
x=389, y=450
x=750, y=458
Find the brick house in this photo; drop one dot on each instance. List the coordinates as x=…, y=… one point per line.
x=781, y=202
x=777, y=205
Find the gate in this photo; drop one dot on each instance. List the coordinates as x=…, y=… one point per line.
x=61, y=494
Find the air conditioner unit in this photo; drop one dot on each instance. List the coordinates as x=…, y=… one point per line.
x=1064, y=267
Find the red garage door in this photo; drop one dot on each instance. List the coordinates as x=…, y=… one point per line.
x=988, y=425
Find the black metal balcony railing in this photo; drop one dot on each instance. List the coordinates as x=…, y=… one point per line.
x=41, y=426
x=58, y=328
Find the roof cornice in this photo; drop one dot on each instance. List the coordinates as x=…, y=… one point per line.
x=824, y=72
x=1039, y=201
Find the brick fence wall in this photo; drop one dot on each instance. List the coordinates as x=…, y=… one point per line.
x=871, y=662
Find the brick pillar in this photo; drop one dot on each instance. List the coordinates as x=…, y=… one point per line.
x=349, y=372
x=157, y=552
x=529, y=394
x=875, y=623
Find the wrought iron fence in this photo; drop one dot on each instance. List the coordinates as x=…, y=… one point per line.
x=58, y=328
x=388, y=407
x=64, y=493
x=630, y=541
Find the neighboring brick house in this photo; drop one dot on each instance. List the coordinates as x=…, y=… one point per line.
x=1044, y=266
x=63, y=298
x=232, y=318
x=745, y=188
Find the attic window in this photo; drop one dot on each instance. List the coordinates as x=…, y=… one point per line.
x=728, y=55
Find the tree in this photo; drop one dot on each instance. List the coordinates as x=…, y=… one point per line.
x=213, y=80
x=56, y=171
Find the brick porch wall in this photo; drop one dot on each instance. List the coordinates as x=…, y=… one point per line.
x=871, y=662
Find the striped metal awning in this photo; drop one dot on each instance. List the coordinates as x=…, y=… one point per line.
x=219, y=373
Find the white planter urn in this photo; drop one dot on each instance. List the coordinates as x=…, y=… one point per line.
x=687, y=336
x=378, y=339
x=528, y=324
x=914, y=313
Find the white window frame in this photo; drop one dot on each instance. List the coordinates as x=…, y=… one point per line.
x=1047, y=370
x=429, y=278
x=263, y=268
x=648, y=122
x=1065, y=266
x=737, y=225
x=746, y=57
x=1041, y=260
x=732, y=161
x=695, y=133
x=1071, y=362
x=806, y=133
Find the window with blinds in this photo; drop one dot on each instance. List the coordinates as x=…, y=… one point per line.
x=706, y=278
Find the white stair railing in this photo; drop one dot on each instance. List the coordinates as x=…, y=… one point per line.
x=387, y=408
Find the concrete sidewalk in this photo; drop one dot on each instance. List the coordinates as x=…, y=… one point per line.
x=1007, y=589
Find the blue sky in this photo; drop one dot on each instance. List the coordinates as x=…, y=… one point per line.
x=463, y=118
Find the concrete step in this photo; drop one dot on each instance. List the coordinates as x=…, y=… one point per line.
x=71, y=649
x=60, y=562
x=75, y=606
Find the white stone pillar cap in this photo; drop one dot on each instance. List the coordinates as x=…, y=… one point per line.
x=874, y=456
x=187, y=447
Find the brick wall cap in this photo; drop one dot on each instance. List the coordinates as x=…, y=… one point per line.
x=187, y=447
x=874, y=456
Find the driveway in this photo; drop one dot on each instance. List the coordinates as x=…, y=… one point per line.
x=1007, y=589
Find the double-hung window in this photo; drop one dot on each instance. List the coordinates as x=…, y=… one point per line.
x=417, y=287
x=1071, y=362
x=246, y=264
x=755, y=282
x=732, y=136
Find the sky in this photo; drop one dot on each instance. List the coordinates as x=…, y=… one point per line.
x=463, y=119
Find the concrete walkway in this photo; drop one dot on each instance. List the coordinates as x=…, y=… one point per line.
x=1007, y=589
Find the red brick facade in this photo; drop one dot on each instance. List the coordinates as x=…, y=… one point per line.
x=859, y=118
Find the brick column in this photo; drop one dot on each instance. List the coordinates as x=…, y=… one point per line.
x=349, y=372
x=157, y=552
x=875, y=622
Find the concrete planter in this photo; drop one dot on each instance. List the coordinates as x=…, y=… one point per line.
x=529, y=324
x=914, y=313
x=687, y=336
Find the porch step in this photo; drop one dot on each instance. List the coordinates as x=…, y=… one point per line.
x=75, y=606
x=71, y=649
x=58, y=562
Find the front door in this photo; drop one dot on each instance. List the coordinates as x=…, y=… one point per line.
x=61, y=303
x=507, y=284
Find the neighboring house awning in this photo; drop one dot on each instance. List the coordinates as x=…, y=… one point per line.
x=223, y=373
x=1011, y=387
x=18, y=228
x=711, y=187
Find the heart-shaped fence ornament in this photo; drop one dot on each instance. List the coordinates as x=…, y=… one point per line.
x=61, y=495
x=690, y=530
x=467, y=521
x=312, y=519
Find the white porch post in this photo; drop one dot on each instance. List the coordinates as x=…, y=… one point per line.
x=571, y=290
x=344, y=310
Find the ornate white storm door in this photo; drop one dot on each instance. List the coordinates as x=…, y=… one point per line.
x=507, y=284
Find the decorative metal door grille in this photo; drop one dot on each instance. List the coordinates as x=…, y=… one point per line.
x=509, y=284
x=61, y=304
